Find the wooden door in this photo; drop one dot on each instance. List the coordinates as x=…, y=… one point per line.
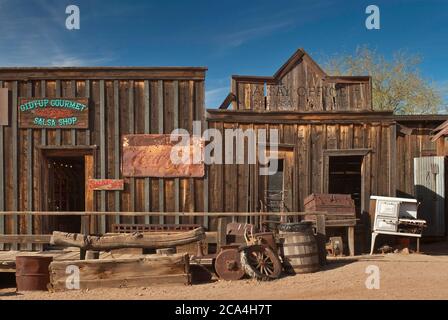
x=276, y=191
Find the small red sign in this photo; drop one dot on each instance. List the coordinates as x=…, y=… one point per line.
x=105, y=184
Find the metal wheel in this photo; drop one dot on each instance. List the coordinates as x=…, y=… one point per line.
x=260, y=262
x=228, y=265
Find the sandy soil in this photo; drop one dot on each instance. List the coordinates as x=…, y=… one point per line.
x=414, y=276
x=402, y=277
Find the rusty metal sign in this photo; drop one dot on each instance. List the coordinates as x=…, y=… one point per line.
x=105, y=184
x=54, y=113
x=150, y=155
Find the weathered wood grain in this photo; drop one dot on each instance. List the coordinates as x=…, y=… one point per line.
x=155, y=240
x=122, y=273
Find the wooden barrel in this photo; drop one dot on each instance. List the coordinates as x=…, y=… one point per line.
x=32, y=273
x=299, y=248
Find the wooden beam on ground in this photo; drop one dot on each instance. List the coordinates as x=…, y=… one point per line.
x=124, y=240
x=118, y=273
x=25, y=238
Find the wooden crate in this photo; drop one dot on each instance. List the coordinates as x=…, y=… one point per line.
x=337, y=206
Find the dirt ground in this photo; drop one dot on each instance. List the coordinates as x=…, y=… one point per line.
x=402, y=276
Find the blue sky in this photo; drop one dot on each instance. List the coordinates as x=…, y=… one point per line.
x=229, y=36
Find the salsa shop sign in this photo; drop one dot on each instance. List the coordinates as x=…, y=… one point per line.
x=56, y=113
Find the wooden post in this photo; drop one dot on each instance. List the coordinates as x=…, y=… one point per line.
x=117, y=195
x=87, y=95
x=29, y=218
x=2, y=182
x=103, y=160
x=147, y=121
x=58, y=95
x=321, y=238
x=89, y=197
x=161, y=129
x=15, y=161
x=176, y=126
x=221, y=236
x=73, y=131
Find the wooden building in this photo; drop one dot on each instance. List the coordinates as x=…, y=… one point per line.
x=331, y=141
x=45, y=169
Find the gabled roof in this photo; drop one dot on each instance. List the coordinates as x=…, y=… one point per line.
x=296, y=58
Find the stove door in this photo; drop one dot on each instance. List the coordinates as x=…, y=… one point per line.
x=387, y=208
x=386, y=224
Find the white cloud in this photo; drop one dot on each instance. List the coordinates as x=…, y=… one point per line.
x=39, y=38
x=214, y=97
x=240, y=37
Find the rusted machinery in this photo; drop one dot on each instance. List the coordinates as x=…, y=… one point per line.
x=246, y=252
x=258, y=258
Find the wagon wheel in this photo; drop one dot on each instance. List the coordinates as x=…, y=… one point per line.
x=260, y=262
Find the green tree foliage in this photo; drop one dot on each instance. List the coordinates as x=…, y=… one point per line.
x=396, y=83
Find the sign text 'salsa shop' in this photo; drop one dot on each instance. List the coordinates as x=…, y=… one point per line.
x=54, y=113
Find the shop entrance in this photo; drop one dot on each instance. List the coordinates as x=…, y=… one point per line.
x=345, y=177
x=64, y=189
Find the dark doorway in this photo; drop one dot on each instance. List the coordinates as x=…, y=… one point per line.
x=345, y=177
x=275, y=192
x=66, y=184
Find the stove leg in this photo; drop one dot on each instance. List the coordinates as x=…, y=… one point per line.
x=372, y=246
x=351, y=240
x=418, y=245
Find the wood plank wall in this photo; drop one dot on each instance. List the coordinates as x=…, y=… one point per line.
x=121, y=106
x=304, y=88
x=117, y=107
x=241, y=186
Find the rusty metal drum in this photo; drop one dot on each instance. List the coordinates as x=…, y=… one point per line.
x=32, y=272
x=299, y=248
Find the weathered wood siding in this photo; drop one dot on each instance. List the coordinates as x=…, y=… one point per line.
x=122, y=101
x=310, y=137
x=301, y=85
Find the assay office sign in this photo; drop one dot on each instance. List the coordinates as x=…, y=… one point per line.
x=54, y=113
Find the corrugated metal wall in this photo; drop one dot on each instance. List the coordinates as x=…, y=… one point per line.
x=429, y=183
